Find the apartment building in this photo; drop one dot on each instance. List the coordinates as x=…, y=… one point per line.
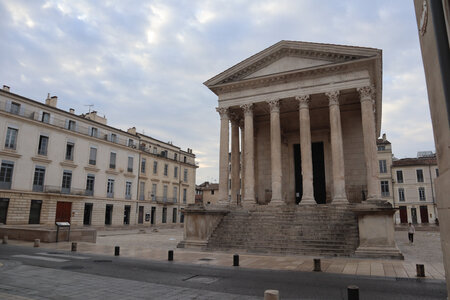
x=59, y=166
x=384, y=155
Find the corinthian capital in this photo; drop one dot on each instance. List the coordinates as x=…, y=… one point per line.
x=274, y=105
x=366, y=93
x=234, y=118
x=333, y=97
x=223, y=112
x=248, y=109
x=303, y=101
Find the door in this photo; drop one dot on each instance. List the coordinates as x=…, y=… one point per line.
x=63, y=211
x=403, y=215
x=4, y=203
x=87, y=213
x=319, y=185
x=424, y=214
x=141, y=215
x=152, y=220
x=35, y=212
x=414, y=215
x=126, y=215
x=108, y=214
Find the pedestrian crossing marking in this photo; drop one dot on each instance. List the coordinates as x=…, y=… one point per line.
x=40, y=258
x=63, y=255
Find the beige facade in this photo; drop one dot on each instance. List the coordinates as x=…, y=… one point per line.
x=57, y=165
x=384, y=154
x=208, y=193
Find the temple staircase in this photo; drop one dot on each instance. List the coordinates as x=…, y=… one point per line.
x=327, y=230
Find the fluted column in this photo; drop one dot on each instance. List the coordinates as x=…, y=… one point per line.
x=275, y=152
x=249, y=155
x=305, y=150
x=370, y=145
x=234, y=160
x=223, y=159
x=337, y=149
x=241, y=125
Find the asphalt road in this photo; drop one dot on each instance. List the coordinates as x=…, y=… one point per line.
x=42, y=274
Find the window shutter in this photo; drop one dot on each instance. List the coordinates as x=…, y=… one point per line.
x=67, y=124
x=39, y=116
x=109, y=137
x=8, y=106
x=89, y=130
x=76, y=127
x=51, y=119
x=22, y=110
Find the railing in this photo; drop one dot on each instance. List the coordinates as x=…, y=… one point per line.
x=162, y=200
x=62, y=190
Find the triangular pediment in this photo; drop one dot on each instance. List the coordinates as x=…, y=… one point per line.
x=288, y=56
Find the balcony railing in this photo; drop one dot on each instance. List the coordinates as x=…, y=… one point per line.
x=163, y=200
x=61, y=190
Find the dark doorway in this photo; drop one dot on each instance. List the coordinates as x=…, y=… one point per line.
x=152, y=220
x=87, y=213
x=108, y=214
x=403, y=215
x=4, y=203
x=126, y=215
x=414, y=215
x=318, y=173
x=141, y=215
x=35, y=212
x=424, y=214
x=63, y=211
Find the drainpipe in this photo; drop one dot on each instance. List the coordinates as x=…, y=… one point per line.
x=138, y=181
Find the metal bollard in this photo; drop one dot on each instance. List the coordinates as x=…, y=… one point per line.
x=37, y=242
x=74, y=247
x=317, y=267
x=236, y=260
x=170, y=255
x=420, y=270
x=353, y=292
x=271, y=295
x=5, y=239
x=116, y=251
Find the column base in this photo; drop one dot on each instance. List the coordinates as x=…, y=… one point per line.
x=340, y=201
x=307, y=201
x=276, y=202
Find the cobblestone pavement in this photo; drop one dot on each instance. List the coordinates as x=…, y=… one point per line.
x=148, y=244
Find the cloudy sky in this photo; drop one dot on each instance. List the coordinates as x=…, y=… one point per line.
x=142, y=63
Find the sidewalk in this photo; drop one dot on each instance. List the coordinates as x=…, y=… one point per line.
x=155, y=245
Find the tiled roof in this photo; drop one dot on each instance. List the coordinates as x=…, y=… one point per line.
x=415, y=161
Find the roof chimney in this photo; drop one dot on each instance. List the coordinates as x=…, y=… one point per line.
x=384, y=137
x=71, y=110
x=132, y=130
x=51, y=101
x=6, y=88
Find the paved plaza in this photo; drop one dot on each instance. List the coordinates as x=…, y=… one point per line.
x=154, y=244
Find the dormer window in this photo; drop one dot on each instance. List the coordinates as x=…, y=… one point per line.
x=15, y=108
x=45, y=117
x=71, y=125
x=113, y=137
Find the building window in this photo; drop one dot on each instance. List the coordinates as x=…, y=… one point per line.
x=93, y=156
x=401, y=194
x=184, y=159
x=385, y=188
x=143, y=162
x=212, y=192
x=166, y=169
x=437, y=172
x=15, y=108
x=174, y=215
x=400, y=176
x=38, y=180
x=184, y=195
x=175, y=156
x=66, y=182
x=155, y=167
x=130, y=164
x=164, y=215
x=165, y=193
x=45, y=117
x=11, y=138
x=154, y=191
x=175, y=172
x=383, y=168
x=181, y=217
x=185, y=176
x=69, y=151
x=6, y=172
x=94, y=132
x=90, y=181
x=381, y=148
x=419, y=175
x=43, y=144
x=112, y=160
x=113, y=137
x=71, y=125
x=128, y=190
x=110, y=188
x=130, y=143
x=142, y=190
x=422, y=194
x=155, y=150
x=175, y=194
